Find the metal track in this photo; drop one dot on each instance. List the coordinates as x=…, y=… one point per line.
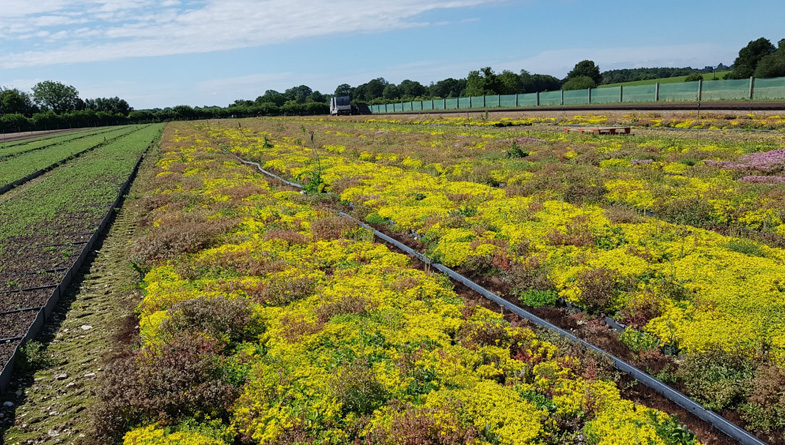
x=719, y=422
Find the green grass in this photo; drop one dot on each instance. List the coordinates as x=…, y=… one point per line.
x=707, y=76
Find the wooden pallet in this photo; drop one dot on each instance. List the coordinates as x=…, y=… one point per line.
x=598, y=130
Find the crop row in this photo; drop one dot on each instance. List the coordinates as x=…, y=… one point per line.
x=19, y=167
x=10, y=150
x=717, y=300
x=37, y=245
x=269, y=319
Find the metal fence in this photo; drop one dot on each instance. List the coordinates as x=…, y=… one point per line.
x=699, y=91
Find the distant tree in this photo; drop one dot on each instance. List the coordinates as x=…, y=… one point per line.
x=693, y=77
x=343, y=89
x=772, y=65
x=14, y=101
x=411, y=88
x=112, y=105
x=748, y=58
x=539, y=82
x=298, y=94
x=510, y=83
x=482, y=82
x=586, y=68
x=391, y=92
x=374, y=89
x=271, y=96
x=448, y=87
x=183, y=112
x=579, y=83
x=316, y=96
x=55, y=96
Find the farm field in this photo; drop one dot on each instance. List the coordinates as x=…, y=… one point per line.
x=675, y=79
x=21, y=165
x=11, y=149
x=39, y=242
x=679, y=236
x=268, y=317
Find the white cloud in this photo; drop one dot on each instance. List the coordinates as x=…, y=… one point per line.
x=122, y=28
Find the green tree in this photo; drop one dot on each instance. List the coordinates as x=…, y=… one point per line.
x=586, y=68
x=411, y=88
x=14, y=101
x=391, y=92
x=56, y=96
x=482, y=82
x=748, y=58
x=510, y=83
x=343, y=89
x=298, y=94
x=374, y=89
x=112, y=105
x=693, y=77
x=448, y=87
x=772, y=65
x=271, y=96
x=579, y=83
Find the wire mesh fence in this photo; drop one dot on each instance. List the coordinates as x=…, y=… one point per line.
x=700, y=91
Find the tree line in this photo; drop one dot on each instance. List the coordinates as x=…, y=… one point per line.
x=53, y=105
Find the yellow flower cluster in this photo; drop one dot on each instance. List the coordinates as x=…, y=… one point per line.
x=355, y=339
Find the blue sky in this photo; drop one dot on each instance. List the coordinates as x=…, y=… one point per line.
x=211, y=52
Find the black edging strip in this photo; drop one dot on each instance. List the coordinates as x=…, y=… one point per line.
x=45, y=312
x=719, y=422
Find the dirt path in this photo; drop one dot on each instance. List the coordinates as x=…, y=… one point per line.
x=52, y=404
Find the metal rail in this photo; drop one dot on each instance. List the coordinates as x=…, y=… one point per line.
x=719, y=422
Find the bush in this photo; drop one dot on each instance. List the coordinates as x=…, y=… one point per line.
x=166, y=384
x=34, y=356
x=693, y=77
x=357, y=389
x=716, y=379
x=579, y=83
x=220, y=318
x=538, y=298
x=765, y=409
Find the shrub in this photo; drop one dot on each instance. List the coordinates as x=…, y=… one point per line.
x=693, y=77
x=538, y=298
x=599, y=289
x=219, y=317
x=717, y=379
x=638, y=341
x=333, y=227
x=357, y=389
x=579, y=83
x=34, y=356
x=765, y=409
x=166, y=384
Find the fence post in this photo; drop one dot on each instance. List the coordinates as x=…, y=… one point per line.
x=589, y=89
x=538, y=99
x=752, y=86
x=444, y=103
x=483, y=101
x=562, y=97
x=656, y=91
x=433, y=104
x=458, y=103
x=700, y=90
x=500, y=101
x=421, y=106
x=621, y=94
x=516, y=100
x=385, y=108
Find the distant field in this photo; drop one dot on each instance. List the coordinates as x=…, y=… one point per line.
x=708, y=76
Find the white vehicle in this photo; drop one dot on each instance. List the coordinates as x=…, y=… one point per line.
x=340, y=105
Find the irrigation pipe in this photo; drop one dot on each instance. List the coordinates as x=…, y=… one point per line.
x=719, y=422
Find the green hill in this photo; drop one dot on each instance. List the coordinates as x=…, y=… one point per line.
x=706, y=76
